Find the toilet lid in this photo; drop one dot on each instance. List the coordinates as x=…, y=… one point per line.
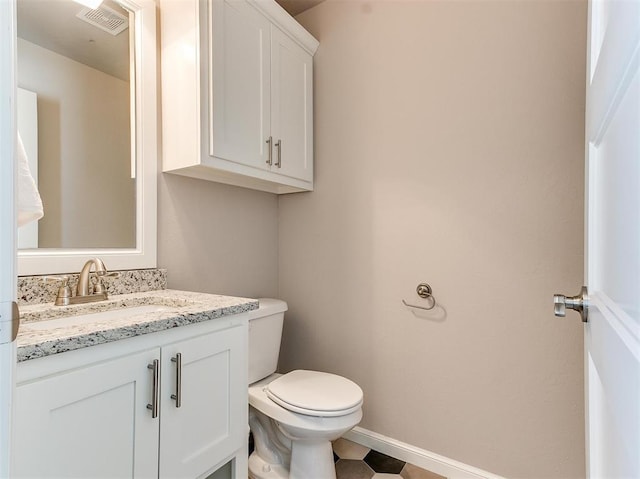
x=315, y=393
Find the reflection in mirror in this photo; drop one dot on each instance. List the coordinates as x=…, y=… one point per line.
x=75, y=80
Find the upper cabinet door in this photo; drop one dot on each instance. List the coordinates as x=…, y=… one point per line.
x=239, y=103
x=291, y=107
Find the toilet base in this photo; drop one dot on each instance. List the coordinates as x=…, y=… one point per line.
x=312, y=460
x=260, y=469
x=309, y=461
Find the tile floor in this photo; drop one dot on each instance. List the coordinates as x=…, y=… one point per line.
x=354, y=461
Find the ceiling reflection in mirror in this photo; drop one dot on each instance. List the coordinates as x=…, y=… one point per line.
x=75, y=85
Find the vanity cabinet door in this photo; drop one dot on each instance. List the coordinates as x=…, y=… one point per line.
x=210, y=424
x=88, y=422
x=292, y=107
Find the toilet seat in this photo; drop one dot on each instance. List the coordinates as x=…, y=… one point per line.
x=315, y=393
x=259, y=400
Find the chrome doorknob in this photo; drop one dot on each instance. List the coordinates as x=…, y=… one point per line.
x=579, y=303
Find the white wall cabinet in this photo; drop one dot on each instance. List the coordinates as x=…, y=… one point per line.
x=237, y=94
x=77, y=420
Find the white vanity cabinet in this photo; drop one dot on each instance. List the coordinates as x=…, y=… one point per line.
x=237, y=94
x=90, y=412
x=87, y=422
x=209, y=424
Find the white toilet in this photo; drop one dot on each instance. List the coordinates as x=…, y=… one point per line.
x=295, y=416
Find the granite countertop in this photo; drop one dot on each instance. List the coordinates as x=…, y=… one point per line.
x=168, y=309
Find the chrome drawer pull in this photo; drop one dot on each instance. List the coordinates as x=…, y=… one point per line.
x=279, y=147
x=178, y=395
x=270, y=159
x=155, y=399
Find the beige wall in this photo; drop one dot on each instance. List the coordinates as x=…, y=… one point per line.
x=449, y=149
x=216, y=238
x=84, y=151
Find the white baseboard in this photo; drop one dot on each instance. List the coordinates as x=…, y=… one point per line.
x=419, y=457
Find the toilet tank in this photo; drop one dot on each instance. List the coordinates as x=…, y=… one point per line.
x=265, y=333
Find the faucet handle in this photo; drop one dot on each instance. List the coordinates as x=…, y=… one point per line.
x=64, y=292
x=98, y=286
x=106, y=274
x=63, y=277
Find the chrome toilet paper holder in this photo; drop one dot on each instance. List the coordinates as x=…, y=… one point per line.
x=425, y=291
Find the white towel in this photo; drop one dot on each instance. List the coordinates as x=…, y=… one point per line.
x=29, y=202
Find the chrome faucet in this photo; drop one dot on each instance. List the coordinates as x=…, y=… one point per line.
x=84, y=293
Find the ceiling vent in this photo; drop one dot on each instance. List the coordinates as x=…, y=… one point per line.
x=105, y=19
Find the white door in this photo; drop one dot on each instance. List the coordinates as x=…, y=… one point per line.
x=612, y=334
x=7, y=224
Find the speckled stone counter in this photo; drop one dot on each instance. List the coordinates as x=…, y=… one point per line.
x=176, y=308
x=36, y=289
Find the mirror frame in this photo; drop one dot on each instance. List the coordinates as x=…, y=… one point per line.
x=144, y=255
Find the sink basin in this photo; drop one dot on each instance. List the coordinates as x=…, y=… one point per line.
x=80, y=319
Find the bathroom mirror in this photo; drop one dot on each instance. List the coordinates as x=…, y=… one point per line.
x=87, y=113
